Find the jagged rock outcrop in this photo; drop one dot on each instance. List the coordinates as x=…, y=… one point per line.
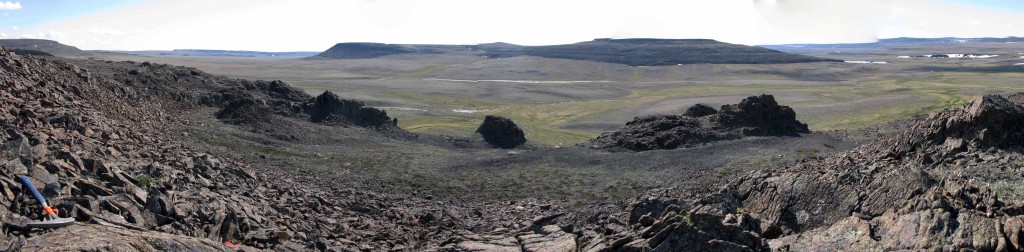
x=754, y=116
x=242, y=109
x=762, y=116
x=501, y=132
x=988, y=122
x=949, y=182
x=331, y=109
x=929, y=188
x=255, y=103
x=698, y=110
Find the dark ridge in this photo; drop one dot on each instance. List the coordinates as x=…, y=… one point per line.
x=633, y=52
x=363, y=50
x=30, y=52
x=41, y=45
x=653, y=52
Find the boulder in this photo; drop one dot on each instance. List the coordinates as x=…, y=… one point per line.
x=501, y=132
x=15, y=167
x=17, y=148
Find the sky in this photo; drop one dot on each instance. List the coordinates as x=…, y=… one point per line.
x=309, y=25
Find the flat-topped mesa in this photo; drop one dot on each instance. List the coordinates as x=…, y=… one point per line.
x=754, y=116
x=363, y=50
x=633, y=52
x=328, y=108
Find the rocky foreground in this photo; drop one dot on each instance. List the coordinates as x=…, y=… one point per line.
x=951, y=182
x=98, y=138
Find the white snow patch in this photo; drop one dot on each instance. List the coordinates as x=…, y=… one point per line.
x=402, y=108
x=866, y=62
x=982, y=56
x=517, y=81
x=954, y=56
x=467, y=111
x=1019, y=64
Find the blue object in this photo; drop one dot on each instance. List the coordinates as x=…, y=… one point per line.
x=51, y=220
x=32, y=188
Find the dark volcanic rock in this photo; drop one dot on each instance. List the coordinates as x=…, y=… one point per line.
x=895, y=193
x=754, y=116
x=939, y=185
x=110, y=148
x=762, y=116
x=103, y=238
x=244, y=110
x=31, y=52
x=988, y=122
x=274, y=107
x=698, y=110
x=501, y=132
x=331, y=109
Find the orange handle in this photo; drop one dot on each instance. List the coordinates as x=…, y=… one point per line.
x=49, y=210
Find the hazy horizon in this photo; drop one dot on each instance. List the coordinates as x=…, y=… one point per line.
x=317, y=25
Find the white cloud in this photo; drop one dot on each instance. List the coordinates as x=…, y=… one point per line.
x=815, y=21
x=948, y=20
x=300, y=25
x=3, y=35
x=53, y=35
x=8, y=5
x=104, y=31
x=15, y=27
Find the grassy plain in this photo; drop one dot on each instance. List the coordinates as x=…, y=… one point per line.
x=564, y=102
